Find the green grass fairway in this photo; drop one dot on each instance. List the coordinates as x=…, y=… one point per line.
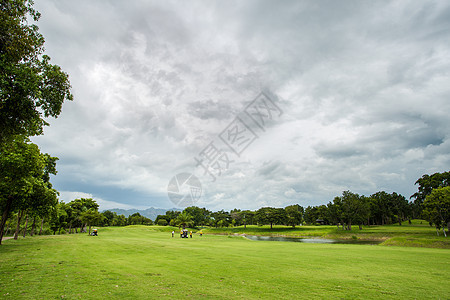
x=146, y=263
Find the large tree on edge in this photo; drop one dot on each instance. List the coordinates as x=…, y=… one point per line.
x=31, y=88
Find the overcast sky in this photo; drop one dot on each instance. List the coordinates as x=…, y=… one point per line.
x=359, y=92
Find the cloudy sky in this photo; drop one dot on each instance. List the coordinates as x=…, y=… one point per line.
x=361, y=91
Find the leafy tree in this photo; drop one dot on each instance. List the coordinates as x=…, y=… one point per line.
x=271, y=215
x=79, y=206
x=399, y=207
x=236, y=217
x=71, y=215
x=239, y=217
x=353, y=209
x=311, y=214
x=363, y=211
x=199, y=215
x=138, y=219
x=108, y=217
x=23, y=178
x=120, y=221
x=220, y=218
x=41, y=201
x=248, y=217
x=426, y=185
x=380, y=209
x=322, y=213
x=335, y=211
x=91, y=217
x=184, y=220
x=164, y=218
x=31, y=88
x=388, y=208
x=162, y=222
x=294, y=215
x=437, y=208
x=60, y=216
x=172, y=215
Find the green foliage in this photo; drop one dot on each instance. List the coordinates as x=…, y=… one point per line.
x=91, y=217
x=200, y=216
x=30, y=87
x=23, y=180
x=437, y=207
x=140, y=262
x=169, y=217
x=138, y=219
x=271, y=215
x=220, y=218
x=184, y=220
x=314, y=213
x=426, y=185
x=162, y=222
x=294, y=215
x=108, y=217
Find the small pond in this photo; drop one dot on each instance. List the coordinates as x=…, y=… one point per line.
x=313, y=241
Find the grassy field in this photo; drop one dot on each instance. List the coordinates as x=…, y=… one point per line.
x=417, y=234
x=147, y=263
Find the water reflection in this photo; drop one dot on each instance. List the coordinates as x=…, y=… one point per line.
x=313, y=241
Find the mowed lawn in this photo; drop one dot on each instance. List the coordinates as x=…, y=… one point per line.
x=138, y=262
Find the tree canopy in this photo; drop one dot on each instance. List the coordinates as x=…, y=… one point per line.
x=31, y=88
x=426, y=184
x=437, y=207
x=24, y=174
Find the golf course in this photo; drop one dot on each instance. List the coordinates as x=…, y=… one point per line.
x=145, y=262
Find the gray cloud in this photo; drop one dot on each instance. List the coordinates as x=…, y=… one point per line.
x=363, y=87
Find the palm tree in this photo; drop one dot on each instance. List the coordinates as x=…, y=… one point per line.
x=184, y=220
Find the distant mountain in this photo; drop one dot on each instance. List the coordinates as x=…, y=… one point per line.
x=150, y=213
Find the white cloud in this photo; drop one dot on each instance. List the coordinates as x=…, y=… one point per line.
x=363, y=87
x=67, y=196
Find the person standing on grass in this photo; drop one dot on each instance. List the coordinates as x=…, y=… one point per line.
x=173, y=232
x=201, y=232
x=190, y=234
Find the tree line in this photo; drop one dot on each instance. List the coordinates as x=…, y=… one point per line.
x=32, y=89
x=431, y=202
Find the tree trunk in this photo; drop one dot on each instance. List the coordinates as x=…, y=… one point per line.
x=360, y=227
x=42, y=226
x=33, y=226
x=437, y=231
x=270, y=225
x=89, y=229
x=4, y=217
x=349, y=225
x=443, y=230
x=26, y=226
x=19, y=218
